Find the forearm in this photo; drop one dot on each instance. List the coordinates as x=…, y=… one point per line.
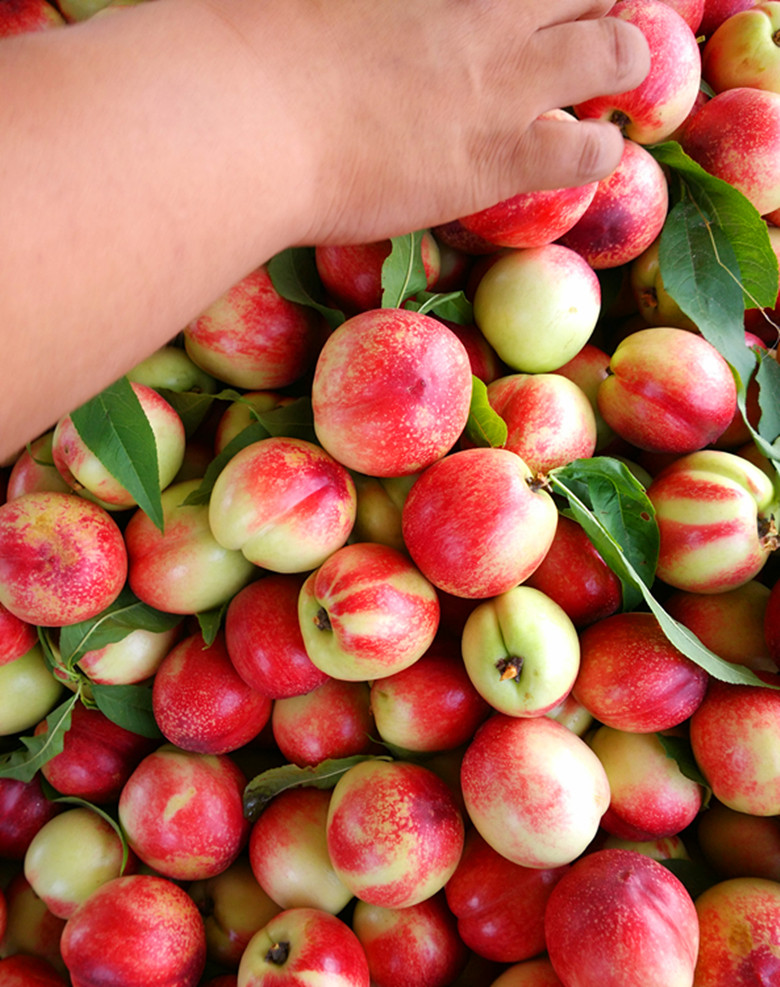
x=152, y=157
x=138, y=184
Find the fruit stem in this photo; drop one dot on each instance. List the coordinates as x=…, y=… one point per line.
x=768, y=534
x=510, y=667
x=538, y=482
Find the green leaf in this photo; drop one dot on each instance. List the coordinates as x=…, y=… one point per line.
x=484, y=426
x=126, y=614
x=622, y=508
x=264, y=787
x=679, y=749
x=293, y=273
x=49, y=648
x=191, y=406
x=129, y=706
x=23, y=764
x=210, y=622
x=715, y=259
x=452, y=306
x=403, y=271
x=725, y=207
x=700, y=271
x=114, y=427
x=680, y=636
x=768, y=378
x=295, y=420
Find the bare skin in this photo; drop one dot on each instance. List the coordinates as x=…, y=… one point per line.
x=151, y=158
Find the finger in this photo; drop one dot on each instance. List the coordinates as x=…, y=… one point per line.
x=595, y=57
x=562, y=154
x=560, y=13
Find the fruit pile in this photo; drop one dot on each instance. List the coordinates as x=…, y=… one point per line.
x=412, y=619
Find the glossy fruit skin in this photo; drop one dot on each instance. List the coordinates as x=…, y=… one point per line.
x=28, y=691
x=132, y=660
x=182, y=569
x=716, y=11
x=62, y=558
x=574, y=575
x=332, y=720
x=416, y=946
x=745, y=911
x=367, y=612
x=532, y=219
x=587, y=368
x=84, y=471
x=521, y=651
x=201, y=703
x=537, y=306
x=234, y=907
x=391, y=392
x=253, y=338
x=284, y=503
x=30, y=927
x=23, y=810
x=743, y=51
x=650, y=797
x=550, y=420
x=16, y=636
x=627, y=212
x=62, y=881
x=20, y=17
x=288, y=852
x=632, y=678
x=658, y=105
x=735, y=136
x=500, y=905
x=691, y=12
x=97, y=758
x=475, y=524
x=394, y=832
x=621, y=919
x=352, y=273
x=648, y=398
x=33, y=470
x=183, y=812
x=430, y=706
x=25, y=970
x=723, y=546
x=315, y=946
x=730, y=623
x=534, y=790
x=140, y=931
x=734, y=736
x=264, y=641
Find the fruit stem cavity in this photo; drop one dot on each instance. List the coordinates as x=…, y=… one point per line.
x=322, y=620
x=278, y=953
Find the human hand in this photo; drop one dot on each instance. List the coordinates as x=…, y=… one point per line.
x=426, y=111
